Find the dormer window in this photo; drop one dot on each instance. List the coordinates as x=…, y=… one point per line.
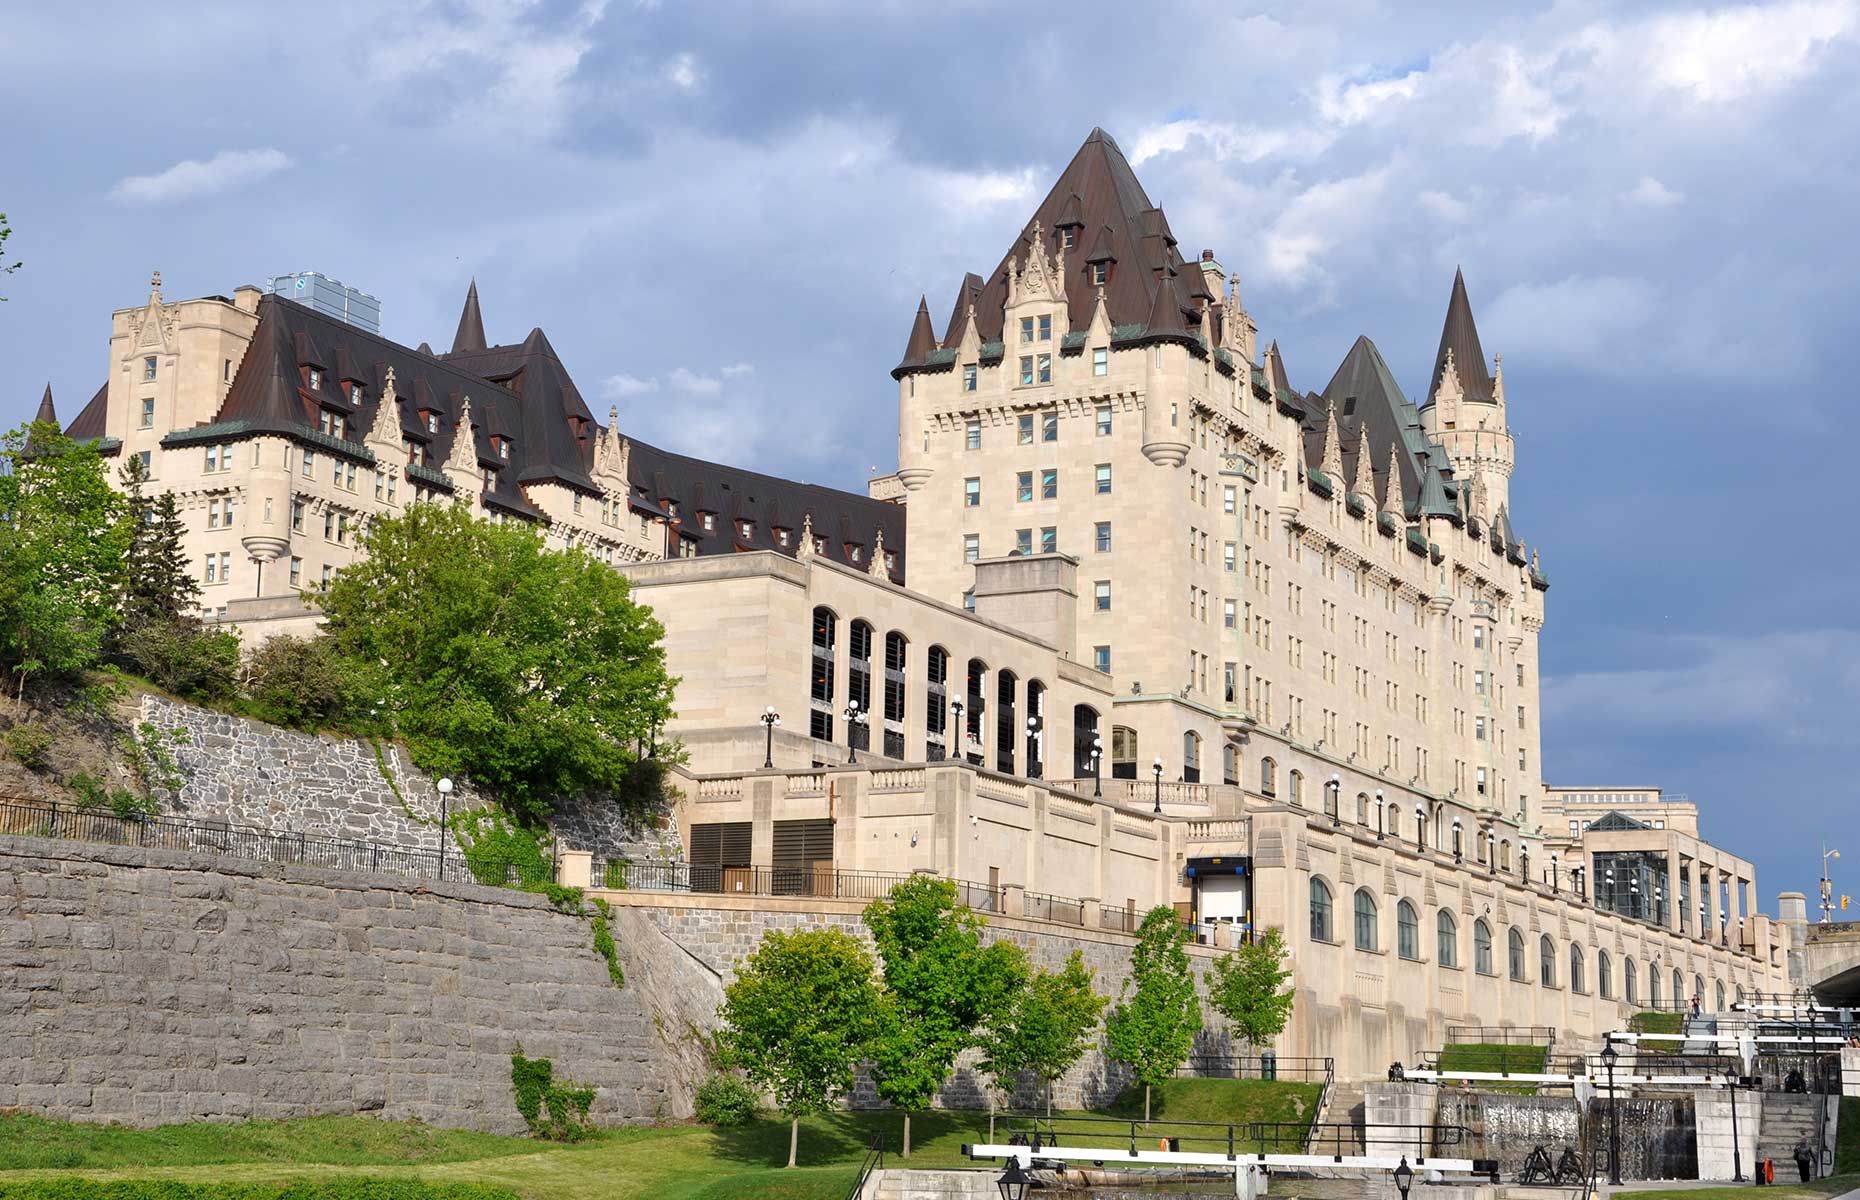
x=820, y=544
x=316, y=380
x=891, y=561
x=489, y=477
x=432, y=420
x=746, y=529
x=1100, y=274
x=503, y=448
x=1068, y=237
x=708, y=521
x=852, y=552
x=332, y=423
x=671, y=507
x=781, y=537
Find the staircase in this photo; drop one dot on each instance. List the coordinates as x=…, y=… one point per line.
x=1343, y=1106
x=1787, y=1117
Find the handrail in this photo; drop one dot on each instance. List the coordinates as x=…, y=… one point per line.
x=1257, y=1066
x=1324, y=1097
x=874, y=1160
x=1232, y=1138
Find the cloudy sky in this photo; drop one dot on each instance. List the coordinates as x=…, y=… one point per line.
x=723, y=216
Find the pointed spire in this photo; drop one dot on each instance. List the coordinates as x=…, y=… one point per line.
x=923, y=338
x=471, y=324
x=1275, y=371
x=462, y=457
x=805, y=550
x=1459, y=341
x=1331, y=461
x=1391, y=481
x=46, y=414
x=876, y=568
x=1165, y=309
x=1363, y=478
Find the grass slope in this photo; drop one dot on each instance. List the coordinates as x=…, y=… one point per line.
x=1833, y=1185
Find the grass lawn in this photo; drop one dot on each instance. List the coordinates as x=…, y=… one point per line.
x=1657, y=1022
x=680, y=1162
x=1494, y=1056
x=1833, y=1185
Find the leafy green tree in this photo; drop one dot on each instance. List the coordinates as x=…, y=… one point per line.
x=302, y=683
x=941, y=986
x=64, y=536
x=1045, y=1028
x=1245, y=988
x=161, y=584
x=1153, y=1028
x=797, y=1019
x=532, y=671
x=6, y=268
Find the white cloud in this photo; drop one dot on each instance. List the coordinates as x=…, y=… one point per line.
x=698, y=385
x=1654, y=194
x=1317, y=219
x=683, y=71
x=1344, y=101
x=615, y=386
x=191, y=177
x=1224, y=140
x=738, y=370
x=1444, y=206
x=1571, y=318
x=1726, y=54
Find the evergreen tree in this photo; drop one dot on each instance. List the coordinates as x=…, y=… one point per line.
x=1154, y=1028
x=161, y=584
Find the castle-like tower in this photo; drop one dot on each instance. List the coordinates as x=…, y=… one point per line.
x=1465, y=409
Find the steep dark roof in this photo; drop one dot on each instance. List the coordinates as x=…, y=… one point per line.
x=1372, y=414
x=552, y=425
x=1461, y=336
x=922, y=341
x=471, y=324
x=1098, y=194
x=969, y=293
x=47, y=413
x=90, y=421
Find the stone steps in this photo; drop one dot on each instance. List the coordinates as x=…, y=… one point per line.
x=1787, y=1118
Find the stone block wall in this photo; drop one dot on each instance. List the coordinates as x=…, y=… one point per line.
x=147, y=987
x=249, y=773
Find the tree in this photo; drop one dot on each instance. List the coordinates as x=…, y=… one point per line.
x=940, y=985
x=1245, y=988
x=64, y=534
x=6, y=268
x=1045, y=1028
x=1152, y=1030
x=532, y=671
x=797, y=1020
x=161, y=584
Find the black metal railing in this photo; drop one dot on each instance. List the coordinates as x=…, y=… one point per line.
x=874, y=1160
x=1119, y=918
x=1261, y=1066
x=814, y=880
x=1131, y=1134
x=1323, y=1101
x=1495, y=1035
x=1042, y=907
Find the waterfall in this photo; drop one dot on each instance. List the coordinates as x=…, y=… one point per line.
x=1659, y=1138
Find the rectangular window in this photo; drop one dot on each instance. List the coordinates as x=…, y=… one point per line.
x=972, y=434
x=1227, y=499
x=1101, y=479
x=1230, y=613
x=1023, y=541
x=1024, y=431
x=971, y=547
x=1049, y=427
x=1049, y=539
x=316, y=380
x=1101, y=537
x=1227, y=555
x=309, y=468
x=1478, y=676
x=1046, y=328
x=297, y=515
x=213, y=563
x=1104, y=420
x=1099, y=273
x=148, y=368
x=1101, y=361
x=968, y=377
x=297, y=571
x=1046, y=368
x=329, y=526
x=148, y=412
x=213, y=459
x=226, y=371
x=1479, y=729
x=147, y=459
x=1026, y=329
x=1026, y=370
x=1101, y=658
x=1101, y=595
x=1049, y=483
x=1023, y=486
x=972, y=492
x=329, y=573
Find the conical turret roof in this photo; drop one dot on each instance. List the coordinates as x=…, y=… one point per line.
x=471, y=324
x=1460, y=336
x=922, y=342
x=46, y=412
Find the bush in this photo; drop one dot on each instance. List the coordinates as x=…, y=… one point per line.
x=725, y=1101
x=194, y=661
x=301, y=683
x=87, y=790
x=557, y=1111
x=613, y=876
x=302, y=1189
x=495, y=845
x=28, y=744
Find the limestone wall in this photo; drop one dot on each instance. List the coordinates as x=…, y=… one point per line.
x=147, y=987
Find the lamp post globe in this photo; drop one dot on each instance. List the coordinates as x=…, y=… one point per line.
x=445, y=799
x=1381, y=812
x=1404, y=1177
x=1097, y=768
x=1156, y=770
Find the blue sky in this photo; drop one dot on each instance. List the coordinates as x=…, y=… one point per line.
x=723, y=216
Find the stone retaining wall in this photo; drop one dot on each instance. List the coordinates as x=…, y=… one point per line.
x=147, y=987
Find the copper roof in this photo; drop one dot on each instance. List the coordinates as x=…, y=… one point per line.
x=471, y=324
x=46, y=414
x=1459, y=335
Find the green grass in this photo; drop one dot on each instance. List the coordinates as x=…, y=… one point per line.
x=1833, y=1185
x=1657, y=1022
x=681, y=1162
x=1847, y=1137
x=1495, y=1057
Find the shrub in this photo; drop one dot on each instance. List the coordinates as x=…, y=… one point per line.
x=556, y=1111
x=191, y=660
x=613, y=877
x=301, y=683
x=495, y=844
x=301, y=1189
x=725, y=1101
x=87, y=790
x=28, y=744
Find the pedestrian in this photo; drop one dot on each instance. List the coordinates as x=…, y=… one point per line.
x=1466, y=1088
x=1804, y=1157
x=1695, y=1006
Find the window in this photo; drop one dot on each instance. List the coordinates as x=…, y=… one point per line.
x=1447, y=940
x=1049, y=483
x=1023, y=541
x=213, y=459
x=1101, y=362
x=1576, y=981
x=1101, y=537
x=1516, y=940
x=225, y=567
x=297, y=571
x=1044, y=368
x=971, y=550
x=1049, y=539
x=1023, y=487
x=226, y=371
x=1604, y=975
x=1320, y=911
x=1630, y=989
x=972, y=435
x=1482, y=948
x=968, y=377
x=1049, y=427
x=972, y=492
x=1228, y=500
x=1268, y=777
x=1101, y=595
x=1026, y=370
x=1297, y=780
x=1365, y=920
x=1101, y=658
x=1104, y=420
x=329, y=573
x=1101, y=479
x=1546, y=961
x=147, y=459
x=1099, y=273
x=316, y=380
x=1046, y=328
x=1478, y=636
x=1407, y=931
x=1230, y=614
x=148, y=412
x=309, y=467
x=1229, y=556
x=148, y=369
x=297, y=515
x=968, y=600
x=1026, y=329
x=1024, y=431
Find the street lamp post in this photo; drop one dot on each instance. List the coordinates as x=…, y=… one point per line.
x=1156, y=770
x=1614, y=1118
x=1381, y=809
x=855, y=721
x=1737, y=1149
x=1555, y=883
x=445, y=800
x=1404, y=1177
x=1097, y=767
x=1034, y=767
x=1524, y=862
x=1457, y=855
x=1491, y=850
x=1420, y=828
x=1336, y=798
x=1827, y=889
x=770, y=719
x=962, y=731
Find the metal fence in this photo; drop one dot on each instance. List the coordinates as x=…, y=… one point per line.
x=1495, y=1035
x=1119, y=918
x=1042, y=907
x=1262, y=1066
x=818, y=881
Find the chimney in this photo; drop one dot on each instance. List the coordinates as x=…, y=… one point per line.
x=245, y=298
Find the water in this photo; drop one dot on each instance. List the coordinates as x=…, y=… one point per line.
x=1659, y=1138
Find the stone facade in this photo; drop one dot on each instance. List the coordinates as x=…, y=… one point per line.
x=249, y=773
x=149, y=987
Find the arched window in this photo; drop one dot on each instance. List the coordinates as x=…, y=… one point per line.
x=820, y=715
x=1365, y=920
x=1191, y=757
x=1320, y=911
x=1482, y=948
x=895, y=654
x=1084, y=733
x=1230, y=764
x=1297, y=783
x=1577, y=983
x=1504, y=855
x=859, y=683
x=1394, y=820
x=1604, y=975
x=1007, y=720
x=1698, y=989
x=1739, y=992
x=1653, y=985
x=971, y=743
x=1036, y=729
x=1718, y=995
x=1630, y=985
x=1446, y=939
x=1679, y=988
x=1546, y=961
x=936, y=704
x=1268, y=777
x=1362, y=808
x=1407, y=931
x=1123, y=752
x=1516, y=940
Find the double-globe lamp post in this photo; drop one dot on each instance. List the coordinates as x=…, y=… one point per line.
x=1156, y=770
x=770, y=720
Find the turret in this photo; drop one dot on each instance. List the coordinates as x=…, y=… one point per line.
x=1465, y=410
